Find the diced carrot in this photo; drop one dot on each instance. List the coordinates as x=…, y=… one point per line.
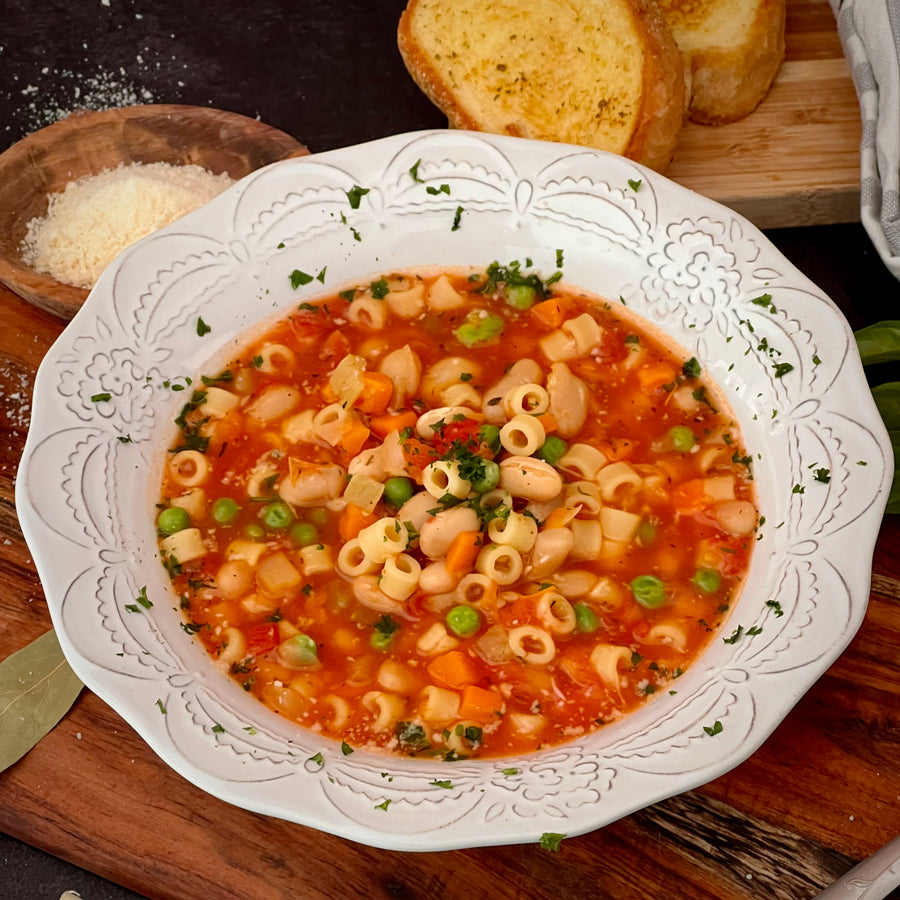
x=549, y=313
x=384, y=424
x=653, y=377
x=376, y=393
x=328, y=393
x=549, y=421
x=418, y=454
x=454, y=669
x=352, y=521
x=479, y=703
x=462, y=552
x=354, y=435
x=690, y=496
x=560, y=517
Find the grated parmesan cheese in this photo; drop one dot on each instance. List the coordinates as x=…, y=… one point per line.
x=95, y=218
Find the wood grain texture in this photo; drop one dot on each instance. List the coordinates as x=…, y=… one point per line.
x=88, y=143
x=795, y=159
x=822, y=792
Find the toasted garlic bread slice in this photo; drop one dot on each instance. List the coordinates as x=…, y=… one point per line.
x=600, y=73
x=733, y=50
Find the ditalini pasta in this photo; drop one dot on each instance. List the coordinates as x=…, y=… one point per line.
x=456, y=514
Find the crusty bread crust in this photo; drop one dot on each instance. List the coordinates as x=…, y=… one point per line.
x=507, y=68
x=730, y=68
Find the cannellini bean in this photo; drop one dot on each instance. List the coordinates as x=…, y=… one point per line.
x=416, y=510
x=445, y=372
x=234, y=578
x=568, y=399
x=367, y=592
x=313, y=485
x=550, y=550
x=530, y=479
x=736, y=516
x=437, y=533
x=435, y=579
x=273, y=402
x=525, y=371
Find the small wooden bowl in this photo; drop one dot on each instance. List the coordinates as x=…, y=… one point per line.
x=86, y=143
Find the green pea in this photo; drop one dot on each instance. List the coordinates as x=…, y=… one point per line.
x=380, y=641
x=490, y=435
x=398, y=490
x=276, y=516
x=254, y=532
x=318, y=516
x=586, y=619
x=649, y=591
x=553, y=449
x=463, y=621
x=304, y=533
x=488, y=477
x=682, y=438
x=224, y=510
x=172, y=520
x=520, y=296
x=299, y=650
x=646, y=533
x=708, y=580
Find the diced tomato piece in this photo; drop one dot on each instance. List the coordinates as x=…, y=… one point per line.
x=335, y=346
x=463, y=430
x=261, y=638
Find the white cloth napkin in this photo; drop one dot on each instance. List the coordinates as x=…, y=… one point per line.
x=870, y=35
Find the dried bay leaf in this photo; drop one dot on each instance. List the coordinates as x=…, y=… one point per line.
x=37, y=688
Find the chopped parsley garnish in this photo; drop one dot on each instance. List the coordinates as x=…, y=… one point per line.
x=321, y=275
x=635, y=184
x=202, y=327
x=162, y=706
x=347, y=295
x=346, y=749
x=691, y=369
x=457, y=218
x=776, y=606
x=434, y=191
x=386, y=625
x=99, y=398
x=383, y=805
x=550, y=841
x=298, y=278
x=823, y=475
x=379, y=289
x=411, y=736
x=317, y=759
x=414, y=171
x=713, y=729
x=764, y=300
x=781, y=369
x=355, y=194
x=446, y=783
x=559, y=259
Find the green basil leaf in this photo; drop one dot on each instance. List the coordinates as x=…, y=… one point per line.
x=879, y=342
x=887, y=399
x=37, y=688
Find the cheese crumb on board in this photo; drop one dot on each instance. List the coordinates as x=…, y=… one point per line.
x=95, y=218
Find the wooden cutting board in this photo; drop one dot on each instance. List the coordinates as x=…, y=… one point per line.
x=795, y=159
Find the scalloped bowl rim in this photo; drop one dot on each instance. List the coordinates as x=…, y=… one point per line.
x=691, y=267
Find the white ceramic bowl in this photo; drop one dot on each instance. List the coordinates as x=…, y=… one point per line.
x=86, y=497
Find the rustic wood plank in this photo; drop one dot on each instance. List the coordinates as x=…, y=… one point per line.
x=795, y=159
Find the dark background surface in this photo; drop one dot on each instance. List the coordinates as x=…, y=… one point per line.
x=301, y=68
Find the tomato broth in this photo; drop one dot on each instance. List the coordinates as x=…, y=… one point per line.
x=456, y=514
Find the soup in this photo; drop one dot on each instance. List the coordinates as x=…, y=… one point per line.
x=456, y=514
